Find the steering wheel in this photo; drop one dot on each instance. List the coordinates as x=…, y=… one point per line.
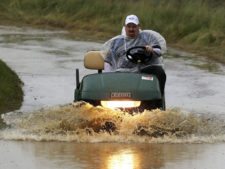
x=138, y=54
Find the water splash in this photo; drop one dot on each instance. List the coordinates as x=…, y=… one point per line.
x=81, y=122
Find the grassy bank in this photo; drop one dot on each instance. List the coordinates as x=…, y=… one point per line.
x=193, y=25
x=11, y=94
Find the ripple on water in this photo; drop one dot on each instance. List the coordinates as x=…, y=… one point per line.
x=82, y=122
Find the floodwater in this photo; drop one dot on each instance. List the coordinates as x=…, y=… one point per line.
x=49, y=132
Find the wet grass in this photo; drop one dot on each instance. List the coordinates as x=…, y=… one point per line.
x=194, y=25
x=11, y=94
x=208, y=66
x=194, y=60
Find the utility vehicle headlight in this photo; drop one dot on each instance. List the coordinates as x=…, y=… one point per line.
x=120, y=104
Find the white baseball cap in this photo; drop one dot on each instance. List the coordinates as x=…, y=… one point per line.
x=132, y=19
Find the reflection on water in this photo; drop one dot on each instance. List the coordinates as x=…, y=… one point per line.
x=125, y=160
x=84, y=123
x=58, y=155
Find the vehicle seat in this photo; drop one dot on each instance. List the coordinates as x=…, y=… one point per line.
x=94, y=60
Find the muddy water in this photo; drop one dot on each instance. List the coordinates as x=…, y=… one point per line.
x=49, y=132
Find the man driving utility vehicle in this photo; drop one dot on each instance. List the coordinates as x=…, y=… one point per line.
x=117, y=47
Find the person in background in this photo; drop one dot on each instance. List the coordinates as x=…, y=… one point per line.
x=115, y=50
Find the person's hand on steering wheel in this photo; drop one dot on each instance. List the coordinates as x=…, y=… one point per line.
x=139, y=54
x=149, y=49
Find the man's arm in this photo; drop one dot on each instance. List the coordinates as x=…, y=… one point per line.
x=155, y=49
x=107, y=67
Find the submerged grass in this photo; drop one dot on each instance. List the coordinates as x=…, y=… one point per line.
x=194, y=25
x=11, y=94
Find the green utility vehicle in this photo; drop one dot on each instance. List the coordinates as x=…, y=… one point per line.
x=134, y=91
